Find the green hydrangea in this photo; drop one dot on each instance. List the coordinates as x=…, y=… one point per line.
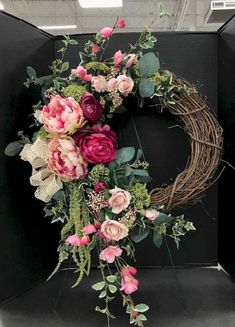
x=42, y=134
x=75, y=91
x=99, y=173
x=95, y=65
x=140, y=196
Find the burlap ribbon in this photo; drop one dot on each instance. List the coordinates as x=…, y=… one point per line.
x=47, y=182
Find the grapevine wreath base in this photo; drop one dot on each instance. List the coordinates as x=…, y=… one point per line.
x=97, y=192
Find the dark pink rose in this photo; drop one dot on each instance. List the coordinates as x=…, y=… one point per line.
x=97, y=144
x=92, y=108
x=99, y=187
x=95, y=48
x=106, y=32
x=121, y=23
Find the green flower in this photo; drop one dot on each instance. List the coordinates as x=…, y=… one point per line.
x=99, y=173
x=75, y=91
x=95, y=65
x=42, y=134
x=140, y=196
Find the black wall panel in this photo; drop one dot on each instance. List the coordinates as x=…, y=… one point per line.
x=27, y=252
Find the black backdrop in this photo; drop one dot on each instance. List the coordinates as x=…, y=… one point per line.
x=28, y=241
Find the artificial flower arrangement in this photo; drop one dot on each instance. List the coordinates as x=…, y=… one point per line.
x=97, y=192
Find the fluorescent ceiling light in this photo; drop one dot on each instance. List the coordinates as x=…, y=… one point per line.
x=57, y=27
x=1, y=6
x=100, y=3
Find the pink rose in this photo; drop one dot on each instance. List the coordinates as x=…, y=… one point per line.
x=131, y=59
x=95, y=48
x=89, y=229
x=99, y=187
x=111, y=84
x=62, y=115
x=121, y=23
x=118, y=57
x=151, y=214
x=97, y=144
x=129, y=284
x=92, y=108
x=85, y=240
x=113, y=230
x=106, y=32
x=126, y=271
x=99, y=83
x=125, y=84
x=119, y=200
x=65, y=159
x=82, y=73
x=110, y=253
x=73, y=240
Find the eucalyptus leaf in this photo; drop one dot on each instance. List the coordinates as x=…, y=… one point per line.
x=65, y=66
x=138, y=234
x=157, y=239
x=149, y=64
x=31, y=72
x=13, y=148
x=125, y=155
x=139, y=154
x=146, y=88
x=162, y=218
x=141, y=172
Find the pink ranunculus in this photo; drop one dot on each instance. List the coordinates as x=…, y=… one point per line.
x=128, y=271
x=113, y=230
x=73, y=240
x=92, y=108
x=129, y=284
x=82, y=73
x=65, y=159
x=121, y=23
x=106, y=32
x=99, y=83
x=151, y=214
x=99, y=187
x=125, y=84
x=95, y=48
x=62, y=115
x=131, y=59
x=97, y=144
x=111, y=84
x=119, y=200
x=89, y=229
x=118, y=57
x=85, y=240
x=110, y=253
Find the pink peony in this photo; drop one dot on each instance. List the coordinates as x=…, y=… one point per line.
x=129, y=284
x=106, y=32
x=95, y=48
x=119, y=200
x=113, y=230
x=61, y=115
x=125, y=84
x=118, y=57
x=111, y=84
x=92, y=108
x=110, y=253
x=99, y=83
x=131, y=59
x=73, y=240
x=89, y=229
x=97, y=144
x=121, y=23
x=82, y=73
x=99, y=187
x=151, y=214
x=65, y=159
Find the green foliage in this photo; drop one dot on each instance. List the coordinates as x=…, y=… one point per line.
x=140, y=196
x=148, y=64
x=141, y=307
x=97, y=66
x=157, y=239
x=146, y=88
x=75, y=91
x=125, y=155
x=14, y=148
x=99, y=173
x=139, y=233
x=98, y=286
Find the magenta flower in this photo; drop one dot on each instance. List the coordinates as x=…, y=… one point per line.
x=106, y=32
x=92, y=108
x=121, y=23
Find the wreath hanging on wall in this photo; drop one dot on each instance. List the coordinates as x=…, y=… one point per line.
x=97, y=192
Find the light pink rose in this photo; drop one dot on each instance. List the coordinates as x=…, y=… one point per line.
x=65, y=159
x=106, y=32
x=125, y=84
x=95, y=48
x=110, y=253
x=111, y=84
x=121, y=23
x=118, y=57
x=89, y=229
x=99, y=83
x=61, y=115
x=82, y=73
x=113, y=230
x=119, y=200
x=73, y=240
x=131, y=58
x=129, y=284
x=151, y=214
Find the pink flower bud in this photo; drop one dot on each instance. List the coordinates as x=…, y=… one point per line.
x=99, y=187
x=95, y=48
x=85, y=240
x=106, y=32
x=89, y=229
x=121, y=23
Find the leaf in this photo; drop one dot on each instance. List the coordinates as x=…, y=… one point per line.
x=65, y=66
x=141, y=307
x=128, y=171
x=92, y=244
x=141, y=172
x=120, y=110
x=31, y=72
x=59, y=195
x=113, y=289
x=162, y=218
x=100, y=310
x=45, y=80
x=73, y=42
x=13, y=148
x=149, y=64
x=98, y=286
x=157, y=239
x=139, y=154
x=142, y=317
x=56, y=84
x=111, y=278
x=189, y=226
x=138, y=234
x=125, y=154
x=146, y=88
x=102, y=294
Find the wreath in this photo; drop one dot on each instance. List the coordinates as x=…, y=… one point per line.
x=97, y=192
